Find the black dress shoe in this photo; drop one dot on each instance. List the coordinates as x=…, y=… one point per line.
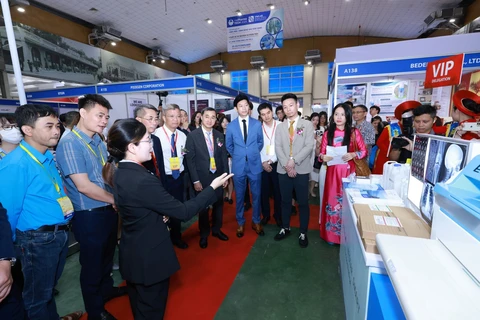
x=282, y=234
x=303, y=240
x=225, y=199
x=230, y=201
x=220, y=235
x=105, y=315
x=265, y=220
x=247, y=206
x=203, y=243
x=115, y=292
x=180, y=244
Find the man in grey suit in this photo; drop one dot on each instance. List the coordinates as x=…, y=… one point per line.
x=294, y=143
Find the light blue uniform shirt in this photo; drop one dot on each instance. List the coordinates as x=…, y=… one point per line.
x=73, y=157
x=27, y=189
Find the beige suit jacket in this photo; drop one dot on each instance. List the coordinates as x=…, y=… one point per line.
x=303, y=146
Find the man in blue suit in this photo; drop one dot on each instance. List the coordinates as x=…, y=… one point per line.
x=244, y=141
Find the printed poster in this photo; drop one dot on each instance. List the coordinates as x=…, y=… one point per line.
x=388, y=95
x=133, y=103
x=256, y=31
x=356, y=93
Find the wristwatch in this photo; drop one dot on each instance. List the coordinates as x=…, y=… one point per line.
x=292, y=158
x=12, y=260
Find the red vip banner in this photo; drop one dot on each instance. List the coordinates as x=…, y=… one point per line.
x=444, y=72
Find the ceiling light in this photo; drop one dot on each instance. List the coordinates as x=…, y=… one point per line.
x=222, y=71
x=306, y=2
x=20, y=9
x=162, y=61
x=271, y=6
x=262, y=67
x=309, y=63
x=452, y=20
x=113, y=43
x=154, y=60
x=181, y=29
x=238, y=12
x=209, y=21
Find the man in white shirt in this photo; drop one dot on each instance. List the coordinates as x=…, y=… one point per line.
x=173, y=147
x=269, y=164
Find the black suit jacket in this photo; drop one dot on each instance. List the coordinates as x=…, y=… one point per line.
x=157, y=149
x=146, y=251
x=6, y=242
x=198, y=157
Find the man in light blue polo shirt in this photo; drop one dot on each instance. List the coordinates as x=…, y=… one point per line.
x=80, y=157
x=38, y=209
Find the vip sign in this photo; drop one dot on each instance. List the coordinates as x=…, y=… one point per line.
x=444, y=72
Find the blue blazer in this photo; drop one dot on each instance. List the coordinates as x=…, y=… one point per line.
x=241, y=151
x=6, y=242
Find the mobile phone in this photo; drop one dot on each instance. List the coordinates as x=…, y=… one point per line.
x=471, y=126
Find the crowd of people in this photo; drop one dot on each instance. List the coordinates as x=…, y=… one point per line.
x=157, y=170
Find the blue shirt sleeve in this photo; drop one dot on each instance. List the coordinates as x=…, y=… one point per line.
x=70, y=158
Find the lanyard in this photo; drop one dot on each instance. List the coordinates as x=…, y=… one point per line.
x=88, y=146
x=170, y=140
x=154, y=159
x=57, y=187
x=209, y=144
x=273, y=131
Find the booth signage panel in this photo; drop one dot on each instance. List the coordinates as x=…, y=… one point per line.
x=255, y=31
x=167, y=84
x=444, y=72
x=398, y=66
x=68, y=105
x=9, y=102
x=68, y=92
x=215, y=87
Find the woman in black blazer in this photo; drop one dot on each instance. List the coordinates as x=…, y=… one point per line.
x=147, y=258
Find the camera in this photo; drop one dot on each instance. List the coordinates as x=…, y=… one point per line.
x=407, y=131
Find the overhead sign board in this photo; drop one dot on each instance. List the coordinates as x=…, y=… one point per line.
x=255, y=31
x=56, y=93
x=444, y=72
x=206, y=85
x=151, y=85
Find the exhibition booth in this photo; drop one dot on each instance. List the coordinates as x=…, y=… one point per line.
x=407, y=251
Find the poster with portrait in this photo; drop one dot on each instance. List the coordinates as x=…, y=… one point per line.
x=201, y=104
x=223, y=105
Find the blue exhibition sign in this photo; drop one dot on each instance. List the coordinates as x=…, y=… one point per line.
x=9, y=102
x=251, y=98
x=151, y=85
x=255, y=31
x=398, y=66
x=13, y=102
x=59, y=93
x=206, y=85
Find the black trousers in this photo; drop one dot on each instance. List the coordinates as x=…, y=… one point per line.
x=96, y=232
x=217, y=216
x=12, y=306
x=175, y=188
x=269, y=182
x=300, y=185
x=148, y=302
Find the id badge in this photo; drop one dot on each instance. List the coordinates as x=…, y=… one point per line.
x=67, y=207
x=270, y=150
x=213, y=166
x=175, y=163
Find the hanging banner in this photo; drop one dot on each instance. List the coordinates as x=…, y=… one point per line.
x=444, y=72
x=256, y=31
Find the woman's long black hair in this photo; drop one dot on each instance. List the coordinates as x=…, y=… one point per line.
x=348, y=125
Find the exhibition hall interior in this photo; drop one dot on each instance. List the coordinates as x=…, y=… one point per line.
x=239, y=159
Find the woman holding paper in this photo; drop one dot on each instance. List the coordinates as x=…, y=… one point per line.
x=345, y=140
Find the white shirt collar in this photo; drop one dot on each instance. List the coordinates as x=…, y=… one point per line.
x=168, y=130
x=206, y=132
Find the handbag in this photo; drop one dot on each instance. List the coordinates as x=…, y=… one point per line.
x=361, y=166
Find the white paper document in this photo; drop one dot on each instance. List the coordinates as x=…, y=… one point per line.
x=337, y=153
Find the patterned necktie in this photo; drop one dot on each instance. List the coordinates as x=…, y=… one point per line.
x=175, y=173
x=210, y=150
x=290, y=131
x=244, y=130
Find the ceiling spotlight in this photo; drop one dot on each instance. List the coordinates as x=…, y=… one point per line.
x=113, y=43
x=154, y=60
x=309, y=63
x=451, y=20
x=262, y=67
x=209, y=21
x=222, y=71
x=238, y=12
x=181, y=29
x=306, y=2
x=162, y=61
x=20, y=9
x=271, y=6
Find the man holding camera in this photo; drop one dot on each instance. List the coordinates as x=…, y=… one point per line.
x=422, y=118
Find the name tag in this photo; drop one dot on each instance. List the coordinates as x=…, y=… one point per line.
x=270, y=150
x=67, y=207
x=213, y=166
x=175, y=163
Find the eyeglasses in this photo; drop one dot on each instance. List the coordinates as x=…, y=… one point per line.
x=9, y=127
x=151, y=119
x=149, y=140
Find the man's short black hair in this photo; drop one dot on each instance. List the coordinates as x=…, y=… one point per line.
x=239, y=98
x=375, y=107
x=264, y=106
x=289, y=96
x=279, y=108
x=250, y=104
x=361, y=106
x=350, y=103
x=425, y=109
x=90, y=100
x=28, y=114
x=208, y=109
